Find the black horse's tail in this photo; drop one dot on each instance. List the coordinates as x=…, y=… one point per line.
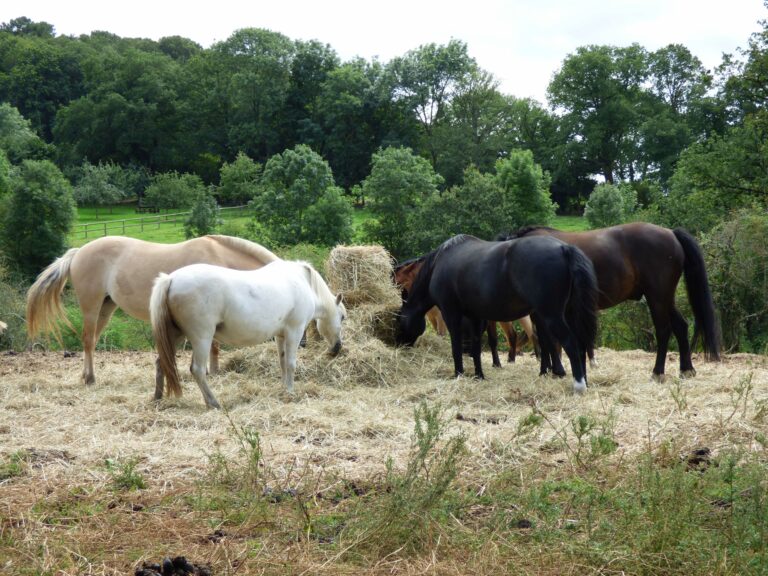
x=581, y=311
x=699, y=295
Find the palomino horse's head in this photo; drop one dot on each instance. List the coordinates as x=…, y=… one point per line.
x=329, y=325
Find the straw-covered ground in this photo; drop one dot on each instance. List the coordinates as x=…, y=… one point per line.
x=104, y=480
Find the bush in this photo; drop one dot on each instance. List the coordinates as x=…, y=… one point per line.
x=37, y=216
x=174, y=190
x=204, y=218
x=610, y=204
x=736, y=253
x=526, y=196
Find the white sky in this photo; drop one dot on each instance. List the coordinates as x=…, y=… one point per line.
x=521, y=42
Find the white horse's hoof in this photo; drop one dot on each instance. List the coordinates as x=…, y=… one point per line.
x=593, y=363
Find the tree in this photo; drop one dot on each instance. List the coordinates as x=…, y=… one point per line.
x=525, y=187
x=471, y=208
x=610, y=204
x=205, y=216
x=299, y=202
x=174, y=190
x=239, y=180
x=599, y=89
x=17, y=138
x=426, y=80
x=397, y=186
x=94, y=187
x=38, y=216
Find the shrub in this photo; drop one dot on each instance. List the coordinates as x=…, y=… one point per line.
x=736, y=253
x=610, y=204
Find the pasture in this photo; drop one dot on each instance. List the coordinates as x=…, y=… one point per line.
x=383, y=463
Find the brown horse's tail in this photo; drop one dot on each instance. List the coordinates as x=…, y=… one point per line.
x=44, y=307
x=699, y=295
x=581, y=311
x=163, y=330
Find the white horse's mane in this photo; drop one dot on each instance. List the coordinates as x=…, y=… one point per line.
x=319, y=286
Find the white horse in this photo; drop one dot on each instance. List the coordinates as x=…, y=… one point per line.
x=241, y=308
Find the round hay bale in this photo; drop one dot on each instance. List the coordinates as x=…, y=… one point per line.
x=363, y=275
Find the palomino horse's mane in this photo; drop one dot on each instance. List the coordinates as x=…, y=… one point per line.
x=256, y=250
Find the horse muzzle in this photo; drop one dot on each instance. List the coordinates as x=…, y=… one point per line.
x=336, y=349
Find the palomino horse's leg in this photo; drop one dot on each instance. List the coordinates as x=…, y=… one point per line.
x=511, y=337
x=288, y=357
x=214, y=361
x=200, y=351
x=280, y=341
x=95, y=319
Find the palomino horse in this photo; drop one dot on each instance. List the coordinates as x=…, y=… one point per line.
x=202, y=303
x=640, y=259
x=470, y=278
x=406, y=272
x=117, y=272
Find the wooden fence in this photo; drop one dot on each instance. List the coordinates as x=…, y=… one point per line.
x=122, y=227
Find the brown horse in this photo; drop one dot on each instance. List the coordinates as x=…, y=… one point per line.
x=406, y=272
x=639, y=259
x=118, y=272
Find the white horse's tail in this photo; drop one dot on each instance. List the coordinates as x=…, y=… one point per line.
x=44, y=307
x=162, y=332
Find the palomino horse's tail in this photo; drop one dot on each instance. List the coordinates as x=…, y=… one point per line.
x=581, y=311
x=699, y=295
x=163, y=333
x=44, y=307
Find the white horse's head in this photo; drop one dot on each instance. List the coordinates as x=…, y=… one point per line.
x=329, y=324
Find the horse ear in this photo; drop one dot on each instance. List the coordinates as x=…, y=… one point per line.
x=338, y=299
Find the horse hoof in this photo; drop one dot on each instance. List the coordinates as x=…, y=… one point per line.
x=593, y=363
x=688, y=373
x=579, y=386
x=660, y=378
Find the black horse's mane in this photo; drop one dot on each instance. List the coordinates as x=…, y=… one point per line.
x=520, y=232
x=425, y=272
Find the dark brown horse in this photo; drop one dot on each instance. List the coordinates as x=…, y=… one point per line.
x=639, y=259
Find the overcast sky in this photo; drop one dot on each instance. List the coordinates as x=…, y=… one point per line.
x=521, y=42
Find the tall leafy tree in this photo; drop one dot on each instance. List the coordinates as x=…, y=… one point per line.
x=399, y=183
x=259, y=64
x=299, y=201
x=525, y=191
x=38, y=216
x=239, y=180
x=426, y=80
x=598, y=89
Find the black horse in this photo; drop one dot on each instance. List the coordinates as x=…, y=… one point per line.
x=639, y=259
x=480, y=280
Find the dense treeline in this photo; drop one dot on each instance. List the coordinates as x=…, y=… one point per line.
x=427, y=141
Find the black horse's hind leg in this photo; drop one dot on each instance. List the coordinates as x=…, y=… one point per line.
x=680, y=330
x=550, y=353
x=477, y=338
x=661, y=315
x=493, y=343
x=577, y=356
x=457, y=345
